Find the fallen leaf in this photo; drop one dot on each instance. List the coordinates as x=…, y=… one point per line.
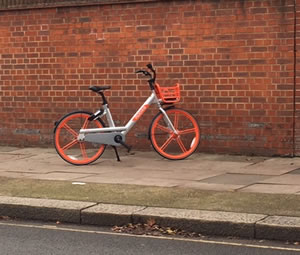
x=151, y=222
x=4, y=218
x=170, y=231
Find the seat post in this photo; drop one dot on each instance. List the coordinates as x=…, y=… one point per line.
x=103, y=98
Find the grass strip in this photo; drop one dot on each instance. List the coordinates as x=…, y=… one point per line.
x=175, y=197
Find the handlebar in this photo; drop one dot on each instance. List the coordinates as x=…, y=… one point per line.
x=146, y=73
x=153, y=71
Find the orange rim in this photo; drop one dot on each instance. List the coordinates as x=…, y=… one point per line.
x=67, y=145
x=171, y=145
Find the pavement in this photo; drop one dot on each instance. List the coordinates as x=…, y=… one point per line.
x=224, y=195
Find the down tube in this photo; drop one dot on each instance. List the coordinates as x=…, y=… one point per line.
x=150, y=100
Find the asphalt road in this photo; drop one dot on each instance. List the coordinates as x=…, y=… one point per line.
x=38, y=238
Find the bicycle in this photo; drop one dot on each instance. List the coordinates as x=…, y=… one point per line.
x=81, y=137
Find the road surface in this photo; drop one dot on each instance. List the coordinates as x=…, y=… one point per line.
x=32, y=238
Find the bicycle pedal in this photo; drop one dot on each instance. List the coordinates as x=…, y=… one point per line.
x=128, y=147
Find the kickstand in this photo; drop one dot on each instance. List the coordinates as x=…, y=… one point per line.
x=117, y=154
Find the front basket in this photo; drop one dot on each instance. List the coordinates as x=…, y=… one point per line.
x=168, y=95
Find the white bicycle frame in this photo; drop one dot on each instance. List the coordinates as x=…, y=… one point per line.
x=152, y=99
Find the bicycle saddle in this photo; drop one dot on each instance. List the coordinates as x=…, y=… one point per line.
x=99, y=88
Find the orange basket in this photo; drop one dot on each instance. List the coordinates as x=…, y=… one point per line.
x=168, y=95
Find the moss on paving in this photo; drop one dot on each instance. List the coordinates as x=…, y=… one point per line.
x=175, y=197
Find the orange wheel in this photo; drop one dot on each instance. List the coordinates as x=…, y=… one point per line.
x=169, y=144
x=66, y=143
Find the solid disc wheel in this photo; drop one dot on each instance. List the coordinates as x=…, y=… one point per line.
x=66, y=139
x=173, y=145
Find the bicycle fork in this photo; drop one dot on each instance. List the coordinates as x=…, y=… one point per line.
x=168, y=121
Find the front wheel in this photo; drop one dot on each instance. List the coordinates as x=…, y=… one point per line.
x=66, y=140
x=169, y=144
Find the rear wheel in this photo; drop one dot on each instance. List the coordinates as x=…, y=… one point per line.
x=66, y=143
x=169, y=144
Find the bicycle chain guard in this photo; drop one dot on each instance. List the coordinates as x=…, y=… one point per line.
x=103, y=138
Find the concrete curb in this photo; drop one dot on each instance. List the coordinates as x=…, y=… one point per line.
x=254, y=226
x=204, y=222
x=279, y=228
x=109, y=214
x=42, y=209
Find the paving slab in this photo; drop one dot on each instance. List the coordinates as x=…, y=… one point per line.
x=59, y=176
x=272, y=166
x=4, y=149
x=10, y=157
x=279, y=228
x=158, y=182
x=297, y=171
x=15, y=174
x=105, y=179
x=237, y=179
x=152, y=177
x=272, y=188
x=132, y=179
x=212, y=186
x=28, y=150
x=291, y=179
x=232, y=158
x=204, y=222
x=216, y=166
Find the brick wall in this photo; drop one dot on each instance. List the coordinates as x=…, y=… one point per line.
x=233, y=58
x=297, y=80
